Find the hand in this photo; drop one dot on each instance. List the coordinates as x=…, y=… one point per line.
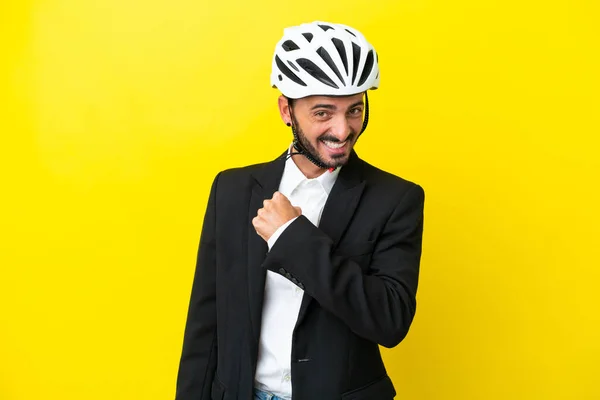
x=273, y=215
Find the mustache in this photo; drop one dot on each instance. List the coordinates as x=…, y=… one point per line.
x=334, y=139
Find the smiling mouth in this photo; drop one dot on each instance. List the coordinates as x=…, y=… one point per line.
x=334, y=145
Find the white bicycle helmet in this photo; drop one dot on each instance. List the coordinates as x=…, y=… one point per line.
x=326, y=59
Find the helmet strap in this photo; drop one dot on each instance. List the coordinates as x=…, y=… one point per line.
x=300, y=150
x=366, y=120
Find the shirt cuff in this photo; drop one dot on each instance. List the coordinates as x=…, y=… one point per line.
x=278, y=233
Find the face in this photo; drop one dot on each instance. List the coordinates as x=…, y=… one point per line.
x=327, y=127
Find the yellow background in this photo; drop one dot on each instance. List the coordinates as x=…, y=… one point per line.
x=115, y=116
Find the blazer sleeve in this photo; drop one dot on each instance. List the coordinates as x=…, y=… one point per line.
x=199, y=355
x=379, y=303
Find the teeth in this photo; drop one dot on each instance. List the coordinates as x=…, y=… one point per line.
x=334, y=145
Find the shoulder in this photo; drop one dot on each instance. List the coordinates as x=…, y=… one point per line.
x=240, y=173
x=385, y=180
x=390, y=187
x=240, y=177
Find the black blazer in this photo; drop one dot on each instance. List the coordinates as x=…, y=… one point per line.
x=359, y=271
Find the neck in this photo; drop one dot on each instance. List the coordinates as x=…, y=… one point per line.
x=309, y=169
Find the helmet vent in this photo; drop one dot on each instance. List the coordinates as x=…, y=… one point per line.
x=316, y=72
x=293, y=66
x=287, y=72
x=347, y=30
x=308, y=36
x=289, y=45
x=339, y=45
x=367, y=69
x=356, y=59
x=325, y=27
x=327, y=58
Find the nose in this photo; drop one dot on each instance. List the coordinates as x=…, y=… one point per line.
x=340, y=128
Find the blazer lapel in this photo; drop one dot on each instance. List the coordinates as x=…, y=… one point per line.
x=343, y=200
x=339, y=209
x=266, y=182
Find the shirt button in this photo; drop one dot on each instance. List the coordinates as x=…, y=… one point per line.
x=287, y=377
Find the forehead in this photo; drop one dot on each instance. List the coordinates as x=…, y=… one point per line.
x=337, y=101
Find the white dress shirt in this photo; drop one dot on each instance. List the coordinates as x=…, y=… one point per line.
x=282, y=298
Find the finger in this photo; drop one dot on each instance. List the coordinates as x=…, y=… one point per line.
x=261, y=212
x=298, y=209
x=278, y=196
x=266, y=203
x=258, y=224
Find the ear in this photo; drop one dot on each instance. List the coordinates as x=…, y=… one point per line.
x=284, y=109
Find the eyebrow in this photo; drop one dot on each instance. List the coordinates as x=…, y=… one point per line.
x=332, y=107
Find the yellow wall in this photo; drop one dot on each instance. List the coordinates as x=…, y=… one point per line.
x=115, y=115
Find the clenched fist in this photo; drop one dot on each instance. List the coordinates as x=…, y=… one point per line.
x=274, y=214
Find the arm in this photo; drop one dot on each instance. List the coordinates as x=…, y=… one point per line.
x=378, y=305
x=199, y=356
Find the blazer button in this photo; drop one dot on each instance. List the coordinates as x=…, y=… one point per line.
x=294, y=280
x=287, y=275
x=301, y=286
x=282, y=271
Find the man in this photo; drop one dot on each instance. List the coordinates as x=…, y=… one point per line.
x=307, y=263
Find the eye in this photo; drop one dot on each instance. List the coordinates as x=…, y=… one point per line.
x=321, y=114
x=355, y=111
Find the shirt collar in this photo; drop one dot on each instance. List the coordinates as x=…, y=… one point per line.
x=292, y=177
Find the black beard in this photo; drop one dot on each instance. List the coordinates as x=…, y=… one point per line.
x=312, y=151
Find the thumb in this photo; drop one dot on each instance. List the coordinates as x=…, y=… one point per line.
x=298, y=209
